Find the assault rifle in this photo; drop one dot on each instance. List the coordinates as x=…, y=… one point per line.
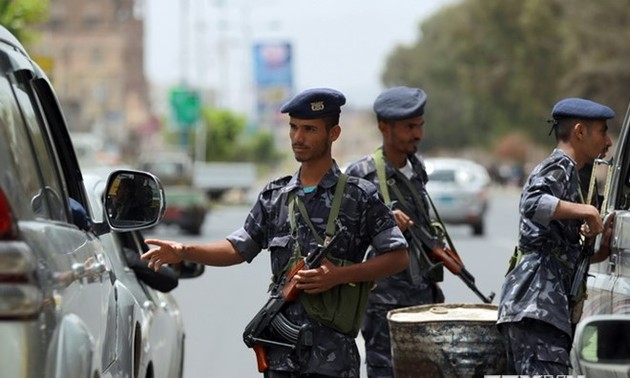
x=269, y=321
x=422, y=239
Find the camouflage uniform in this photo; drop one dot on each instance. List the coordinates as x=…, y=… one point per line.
x=394, y=291
x=536, y=290
x=368, y=221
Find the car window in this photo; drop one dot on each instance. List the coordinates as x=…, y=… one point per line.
x=52, y=193
x=462, y=174
x=442, y=175
x=55, y=124
x=21, y=152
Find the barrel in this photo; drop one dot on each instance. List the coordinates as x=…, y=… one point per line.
x=446, y=340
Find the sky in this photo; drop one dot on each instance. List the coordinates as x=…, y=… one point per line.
x=342, y=44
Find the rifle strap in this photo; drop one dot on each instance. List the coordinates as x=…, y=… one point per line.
x=385, y=184
x=379, y=160
x=294, y=200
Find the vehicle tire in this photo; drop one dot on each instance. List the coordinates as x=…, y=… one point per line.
x=194, y=229
x=478, y=229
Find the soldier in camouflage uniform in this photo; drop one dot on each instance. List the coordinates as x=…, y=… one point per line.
x=535, y=308
x=400, y=116
x=314, y=126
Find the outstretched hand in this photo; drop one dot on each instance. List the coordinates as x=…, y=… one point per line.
x=166, y=252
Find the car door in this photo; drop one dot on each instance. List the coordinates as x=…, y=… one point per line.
x=609, y=281
x=619, y=261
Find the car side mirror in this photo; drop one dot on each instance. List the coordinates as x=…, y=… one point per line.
x=188, y=269
x=603, y=346
x=133, y=200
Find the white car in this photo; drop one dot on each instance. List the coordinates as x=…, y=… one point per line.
x=459, y=191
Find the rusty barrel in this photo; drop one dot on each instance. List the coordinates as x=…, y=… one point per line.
x=446, y=340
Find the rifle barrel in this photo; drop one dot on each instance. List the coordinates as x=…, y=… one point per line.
x=448, y=258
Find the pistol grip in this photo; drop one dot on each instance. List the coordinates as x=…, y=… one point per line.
x=261, y=358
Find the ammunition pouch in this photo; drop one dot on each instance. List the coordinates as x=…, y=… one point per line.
x=514, y=260
x=518, y=254
x=341, y=308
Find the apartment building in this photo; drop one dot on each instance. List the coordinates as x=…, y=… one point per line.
x=93, y=53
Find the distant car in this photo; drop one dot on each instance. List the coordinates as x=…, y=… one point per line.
x=459, y=190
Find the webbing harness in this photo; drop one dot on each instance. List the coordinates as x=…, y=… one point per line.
x=294, y=201
x=435, y=274
x=385, y=184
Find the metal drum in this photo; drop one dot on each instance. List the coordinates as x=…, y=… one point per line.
x=446, y=340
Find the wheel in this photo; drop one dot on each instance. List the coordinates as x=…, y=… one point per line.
x=478, y=229
x=193, y=229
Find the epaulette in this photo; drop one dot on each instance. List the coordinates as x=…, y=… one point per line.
x=363, y=184
x=366, y=162
x=277, y=183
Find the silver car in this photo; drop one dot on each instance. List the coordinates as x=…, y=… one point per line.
x=67, y=307
x=609, y=281
x=459, y=191
x=152, y=336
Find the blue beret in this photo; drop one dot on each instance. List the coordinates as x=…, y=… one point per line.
x=400, y=103
x=581, y=108
x=315, y=103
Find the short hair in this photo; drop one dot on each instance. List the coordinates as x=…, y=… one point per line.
x=564, y=126
x=331, y=120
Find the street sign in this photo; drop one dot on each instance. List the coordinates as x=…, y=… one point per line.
x=186, y=106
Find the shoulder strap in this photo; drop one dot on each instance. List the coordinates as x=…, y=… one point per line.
x=336, y=205
x=380, y=173
x=332, y=216
x=384, y=184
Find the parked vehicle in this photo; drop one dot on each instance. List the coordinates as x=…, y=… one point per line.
x=602, y=346
x=186, y=204
x=61, y=313
x=153, y=332
x=217, y=178
x=459, y=191
x=609, y=281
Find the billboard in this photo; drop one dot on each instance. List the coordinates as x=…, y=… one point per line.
x=273, y=75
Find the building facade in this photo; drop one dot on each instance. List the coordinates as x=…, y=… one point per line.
x=93, y=53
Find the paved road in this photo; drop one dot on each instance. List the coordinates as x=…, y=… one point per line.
x=217, y=306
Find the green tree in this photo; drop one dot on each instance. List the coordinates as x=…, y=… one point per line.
x=494, y=67
x=223, y=131
x=20, y=16
x=260, y=147
x=226, y=140
x=597, y=53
